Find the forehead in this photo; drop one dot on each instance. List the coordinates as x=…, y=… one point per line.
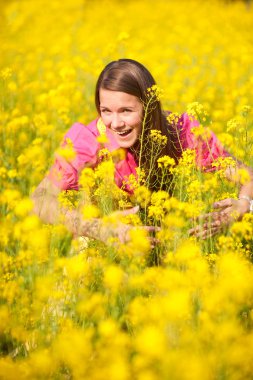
x=117, y=98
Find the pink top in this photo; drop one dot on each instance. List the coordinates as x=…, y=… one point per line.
x=65, y=174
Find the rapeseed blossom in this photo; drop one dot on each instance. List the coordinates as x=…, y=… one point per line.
x=78, y=308
x=67, y=152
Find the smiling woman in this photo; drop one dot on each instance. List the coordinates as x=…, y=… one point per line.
x=128, y=110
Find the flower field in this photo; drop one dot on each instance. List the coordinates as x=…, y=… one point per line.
x=72, y=308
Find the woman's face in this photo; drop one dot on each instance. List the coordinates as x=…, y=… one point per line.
x=122, y=113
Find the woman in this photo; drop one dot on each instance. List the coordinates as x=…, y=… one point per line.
x=121, y=99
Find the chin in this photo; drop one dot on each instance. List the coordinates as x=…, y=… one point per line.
x=126, y=144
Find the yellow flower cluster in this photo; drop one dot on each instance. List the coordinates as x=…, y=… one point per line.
x=157, y=137
x=165, y=162
x=67, y=151
x=154, y=92
x=234, y=125
x=197, y=111
x=142, y=196
x=173, y=118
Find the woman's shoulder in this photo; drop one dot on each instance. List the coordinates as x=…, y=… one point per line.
x=83, y=139
x=79, y=130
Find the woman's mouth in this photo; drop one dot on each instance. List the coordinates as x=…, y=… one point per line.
x=124, y=133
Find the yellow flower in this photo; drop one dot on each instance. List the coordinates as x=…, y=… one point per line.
x=6, y=73
x=243, y=228
x=101, y=127
x=201, y=132
x=222, y=163
x=5, y=318
x=79, y=351
x=29, y=223
x=108, y=328
x=173, y=118
x=132, y=219
x=3, y=172
x=9, y=369
x=10, y=197
x=157, y=137
x=68, y=199
x=12, y=173
x=233, y=125
x=151, y=342
x=90, y=211
x=68, y=73
x=158, y=198
x=93, y=307
x=67, y=151
x=188, y=158
x=41, y=363
x=76, y=267
x=139, y=244
x=23, y=207
x=123, y=36
x=165, y=161
x=104, y=154
x=87, y=179
x=142, y=196
x=105, y=171
x=197, y=111
x=246, y=110
x=118, y=154
x=154, y=92
x=102, y=139
x=241, y=176
x=158, y=201
x=114, y=278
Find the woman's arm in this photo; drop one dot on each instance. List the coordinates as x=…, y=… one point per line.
x=47, y=207
x=45, y=201
x=228, y=210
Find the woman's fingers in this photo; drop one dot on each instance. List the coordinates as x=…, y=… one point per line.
x=153, y=242
x=205, y=226
x=204, y=233
x=209, y=229
x=214, y=222
x=151, y=234
x=123, y=232
x=208, y=233
x=214, y=216
x=228, y=202
x=151, y=228
x=132, y=210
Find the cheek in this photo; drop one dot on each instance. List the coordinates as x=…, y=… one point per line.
x=137, y=122
x=105, y=119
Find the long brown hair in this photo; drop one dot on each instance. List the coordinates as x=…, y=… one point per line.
x=131, y=77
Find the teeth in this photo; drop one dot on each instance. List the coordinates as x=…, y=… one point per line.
x=124, y=132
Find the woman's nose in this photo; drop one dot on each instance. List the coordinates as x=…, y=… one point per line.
x=116, y=121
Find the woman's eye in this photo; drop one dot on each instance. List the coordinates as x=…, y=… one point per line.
x=126, y=110
x=105, y=111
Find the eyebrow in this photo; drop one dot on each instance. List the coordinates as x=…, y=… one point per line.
x=121, y=108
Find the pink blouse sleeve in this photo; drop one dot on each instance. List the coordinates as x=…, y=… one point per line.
x=64, y=173
x=208, y=148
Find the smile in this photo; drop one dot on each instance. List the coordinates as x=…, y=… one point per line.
x=123, y=133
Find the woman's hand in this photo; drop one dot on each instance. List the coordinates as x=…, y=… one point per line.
x=122, y=231
x=228, y=210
